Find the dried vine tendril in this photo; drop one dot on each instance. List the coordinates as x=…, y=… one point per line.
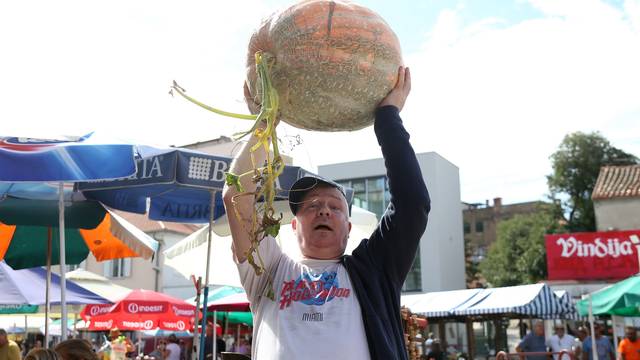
x=263, y=220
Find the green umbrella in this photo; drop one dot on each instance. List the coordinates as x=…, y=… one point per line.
x=35, y=222
x=28, y=227
x=18, y=309
x=621, y=298
x=236, y=317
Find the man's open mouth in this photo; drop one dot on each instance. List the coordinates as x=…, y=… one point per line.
x=323, y=227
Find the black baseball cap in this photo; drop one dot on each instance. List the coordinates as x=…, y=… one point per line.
x=302, y=186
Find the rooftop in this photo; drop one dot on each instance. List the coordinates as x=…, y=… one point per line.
x=617, y=182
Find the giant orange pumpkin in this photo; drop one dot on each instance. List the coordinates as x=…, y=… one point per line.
x=333, y=61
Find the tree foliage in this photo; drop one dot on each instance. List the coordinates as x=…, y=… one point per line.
x=518, y=256
x=576, y=165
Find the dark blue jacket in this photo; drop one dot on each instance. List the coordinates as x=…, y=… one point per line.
x=379, y=265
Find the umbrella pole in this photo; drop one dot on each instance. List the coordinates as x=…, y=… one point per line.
x=196, y=334
x=594, y=349
x=215, y=335
x=212, y=208
x=47, y=306
x=63, y=265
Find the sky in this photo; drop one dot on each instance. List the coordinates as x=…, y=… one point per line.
x=497, y=84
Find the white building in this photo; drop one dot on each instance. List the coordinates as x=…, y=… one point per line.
x=439, y=264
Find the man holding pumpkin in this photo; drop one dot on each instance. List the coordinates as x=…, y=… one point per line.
x=330, y=305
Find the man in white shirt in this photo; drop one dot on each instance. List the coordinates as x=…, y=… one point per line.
x=173, y=349
x=561, y=342
x=330, y=305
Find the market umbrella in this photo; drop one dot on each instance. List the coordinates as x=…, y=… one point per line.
x=24, y=287
x=235, y=302
x=233, y=317
x=144, y=310
x=89, y=157
x=98, y=284
x=27, y=231
x=621, y=298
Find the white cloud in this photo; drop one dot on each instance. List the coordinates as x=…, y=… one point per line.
x=498, y=101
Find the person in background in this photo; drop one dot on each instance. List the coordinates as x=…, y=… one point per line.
x=581, y=334
x=561, y=342
x=9, y=350
x=436, y=352
x=159, y=353
x=42, y=354
x=114, y=334
x=428, y=342
x=173, y=349
x=76, y=349
x=243, y=347
x=603, y=345
x=534, y=342
x=629, y=347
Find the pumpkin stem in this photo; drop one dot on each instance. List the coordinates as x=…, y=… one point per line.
x=264, y=175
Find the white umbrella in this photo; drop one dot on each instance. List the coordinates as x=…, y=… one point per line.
x=98, y=284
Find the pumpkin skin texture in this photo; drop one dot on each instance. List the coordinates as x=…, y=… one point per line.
x=332, y=64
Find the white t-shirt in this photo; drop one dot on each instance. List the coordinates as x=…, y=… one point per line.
x=315, y=315
x=175, y=351
x=557, y=344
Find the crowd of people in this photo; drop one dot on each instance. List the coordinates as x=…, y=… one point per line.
x=72, y=349
x=579, y=347
x=169, y=348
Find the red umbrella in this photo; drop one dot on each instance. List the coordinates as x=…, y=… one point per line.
x=235, y=302
x=142, y=310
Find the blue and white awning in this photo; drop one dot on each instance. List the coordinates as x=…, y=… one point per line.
x=441, y=303
x=537, y=300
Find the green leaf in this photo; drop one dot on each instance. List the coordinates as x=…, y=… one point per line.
x=233, y=180
x=272, y=230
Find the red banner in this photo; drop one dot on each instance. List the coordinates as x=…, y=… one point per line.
x=593, y=256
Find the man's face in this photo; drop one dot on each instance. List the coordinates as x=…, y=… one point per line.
x=3, y=339
x=322, y=223
x=560, y=331
x=630, y=334
x=582, y=334
x=538, y=328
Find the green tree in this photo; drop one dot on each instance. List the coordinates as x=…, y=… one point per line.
x=576, y=165
x=518, y=256
x=472, y=268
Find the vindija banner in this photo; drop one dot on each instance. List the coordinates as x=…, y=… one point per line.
x=593, y=255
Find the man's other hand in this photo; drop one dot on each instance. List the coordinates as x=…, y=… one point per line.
x=398, y=95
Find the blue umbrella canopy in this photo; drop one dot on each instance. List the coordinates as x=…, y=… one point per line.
x=178, y=184
x=87, y=157
x=24, y=287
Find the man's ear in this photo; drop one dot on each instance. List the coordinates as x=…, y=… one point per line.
x=350, y=226
x=294, y=223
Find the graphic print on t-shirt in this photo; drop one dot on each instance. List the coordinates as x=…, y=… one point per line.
x=312, y=289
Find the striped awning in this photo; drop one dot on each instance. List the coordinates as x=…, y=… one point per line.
x=441, y=303
x=537, y=300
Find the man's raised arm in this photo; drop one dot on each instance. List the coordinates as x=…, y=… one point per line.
x=242, y=205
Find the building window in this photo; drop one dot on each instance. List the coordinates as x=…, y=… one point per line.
x=414, y=277
x=479, y=226
x=118, y=268
x=467, y=227
x=370, y=193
